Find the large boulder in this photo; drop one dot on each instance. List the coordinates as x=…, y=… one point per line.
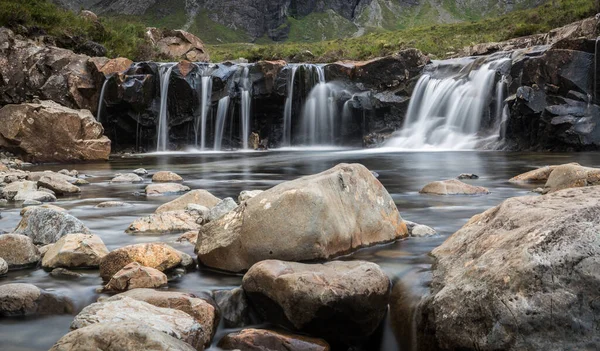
x=172, y=322
x=75, y=251
x=135, y=276
x=49, y=132
x=155, y=255
x=178, y=45
x=520, y=276
x=268, y=340
x=26, y=299
x=339, y=301
x=119, y=336
x=47, y=225
x=196, y=197
x=314, y=217
x=18, y=251
x=165, y=223
x=453, y=187
x=202, y=311
x=572, y=176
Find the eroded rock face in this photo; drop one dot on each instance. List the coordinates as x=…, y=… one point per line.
x=49, y=132
x=339, y=301
x=75, y=251
x=261, y=339
x=155, y=255
x=47, y=225
x=18, y=251
x=196, y=197
x=135, y=276
x=453, y=187
x=178, y=44
x=27, y=299
x=522, y=275
x=314, y=217
x=119, y=336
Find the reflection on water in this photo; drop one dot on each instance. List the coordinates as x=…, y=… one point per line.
x=227, y=174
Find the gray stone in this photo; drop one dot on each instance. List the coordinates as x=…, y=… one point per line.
x=127, y=178
x=47, y=225
x=234, y=307
x=222, y=208
x=248, y=194
x=27, y=299
x=163, y=189
x=141, y=172
x=62, y=273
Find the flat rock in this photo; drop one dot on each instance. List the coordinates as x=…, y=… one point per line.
x=75, y=251
x=18, y=251
x=127, y=178
x=47, y=225
x=268, y=340
x=36, y=176
x=110, y=204
x=166, y=189
x=339, y=301
x=166, y=177
x=35, y=196
x=58, y=186
x=134, y=276
x=197, y=197
x=314, y=217
x=27, y=299
x=165, y=223
x=467, y=176
x=155, y=255
x=453, y=187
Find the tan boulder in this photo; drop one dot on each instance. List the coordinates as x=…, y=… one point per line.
x=196, y=197
x=18, y=251
x=572, y=176
x=453, y=187
x=165, y=223
x=166, y=177
x=178, y=44
x=262, y=339
x=539, y=175
x=49, y=132
x=135, y=276
x=191, y=237
x=155, y=255
x=75, y=251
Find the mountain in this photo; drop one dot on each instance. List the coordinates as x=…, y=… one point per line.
x=262, y=21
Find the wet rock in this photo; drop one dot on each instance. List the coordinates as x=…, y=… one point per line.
x=191, y=237
x=165, y=223
x=234, y=307
x=197, y=197
x=3, y=267
x=166, y=189
x=72, y=173
x=60, y=187
x=120, y=336
x=178, y=44
x=57, y=133
x=155, y=255
x=572, y=176
x=339, y=301
x=127, y=178
x=111, y=204
x=468, y=176
x=419, y=230
x=32, y=203
x=135, y=276
x=521, y=268
x=222, y=208
x=47, y=225
x=169, y=321
x=18, y=251
x=314, y=217
x=248, y=194
x=75, y=251
x=268, y=340
x=202, y=311
x=453, y=187
x=166, y=177
x=141, y=172
x=62, y=273
x=27, y=299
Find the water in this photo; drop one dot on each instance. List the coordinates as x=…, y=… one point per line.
x=227, y=174
x=246, y=105
x=101, y=106
x=205, y=95
x=222, y=110
x=447, y=111
x=287, y=118
x=162, y=131
x=319, y=112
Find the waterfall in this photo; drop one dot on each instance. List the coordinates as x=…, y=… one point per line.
x=446, y=111
x=162, y=132
x=205, y=95
x=221, y=118
x=319, y=112
x=246, y=101
x=101, y=101
x=287, y=117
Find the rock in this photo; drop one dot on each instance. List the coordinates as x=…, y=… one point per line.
x=314, y=217
x=164, y=223
x=75, y=251
x=31, y=203
x=572, y=176
x=43, y=249
x=419, y=230
x=178, y=44
x=234, y=307
x=155, y=255
x=165, y=189
x=127, y=178
x=50, y=206
x=11, y=190
x=254, y=141
x=169, y=321
x=62, y=273
x=35, y=197
x=3, y=267
x=111, y=204
x=18, y=251
x=198, y=197
x=120, y=336
x=522, y=275
x=339, y=301
x=47, y=225
x=36, y=176
x=248, y=194
x=49, y=132
x=535, y=176
x=72, y=173
x=141, y=172
x=60, y=187
x=202, y=311
x=191, y=237
x=27, y=299
x=453, y=187
x=166, y=177
x=135, y=276
x=268, y=340
x=222, y=208
x=468, y=176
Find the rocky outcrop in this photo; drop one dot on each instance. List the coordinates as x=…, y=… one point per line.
x=26, y=299
x=176, y=45
x=136, y=276
x=339, y=301
x=453, y=187
x=518, y=276
x=47, y=225
x=314, y=217
x=75, y=251
x=49, y=132
x=155, y=255
x=18, y=251
x=257, y=339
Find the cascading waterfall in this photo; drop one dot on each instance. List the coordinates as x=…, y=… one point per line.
x=205, y=95
x=446, y=112
x=246, y=102
x=287, y=116
x=222, y=110
x=101, y=101
x=319, y=112
x=162, y=133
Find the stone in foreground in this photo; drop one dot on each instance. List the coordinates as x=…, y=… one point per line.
x=135, y=276
x=339, y=301
x=520, y=276
x=172, y=322
x=27, y=299
x=197, y=197
x=47, y=225
x=75, y=251
x=453, y=187
x=155, y=255
x=315, y=217
x=261, y=339
x=120, y=336
x=18, y=251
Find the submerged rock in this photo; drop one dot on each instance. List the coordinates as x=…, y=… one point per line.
x=135, y=276
x=18, y=251
x=339, y=301
x=197, y=197
x=155, y=255
x=165, y=223
x=261, y=339
x=314, y=217
x=75, y=251
x=47, y=225
x=468, y=176
x=522, y=275
x=27, y=299
x=166, y=189
x=453, y=187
